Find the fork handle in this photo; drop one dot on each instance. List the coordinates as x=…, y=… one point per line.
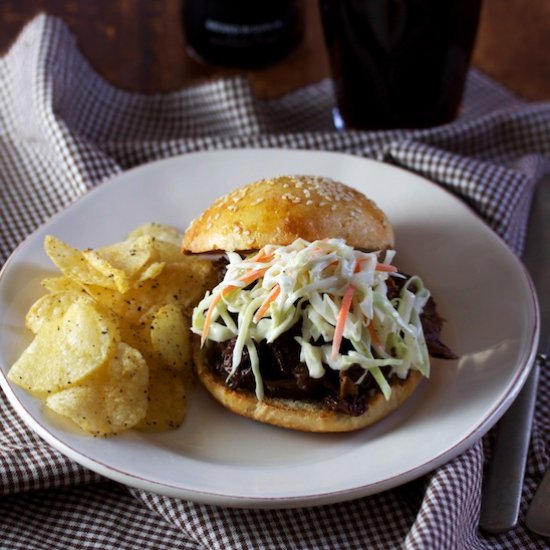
x=504, y=480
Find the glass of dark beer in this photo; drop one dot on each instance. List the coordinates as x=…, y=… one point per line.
x=398, y=63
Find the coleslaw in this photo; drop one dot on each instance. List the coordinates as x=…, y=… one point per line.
x=336, y=293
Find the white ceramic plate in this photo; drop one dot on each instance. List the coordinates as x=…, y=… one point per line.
x=216, y=457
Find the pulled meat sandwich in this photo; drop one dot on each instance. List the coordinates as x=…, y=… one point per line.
x=311, y=327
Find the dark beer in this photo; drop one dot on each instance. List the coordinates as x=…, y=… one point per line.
x=399, y=63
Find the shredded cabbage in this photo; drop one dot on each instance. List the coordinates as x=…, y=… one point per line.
x=313, y=278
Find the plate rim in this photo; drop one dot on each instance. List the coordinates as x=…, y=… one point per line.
x=211, y=497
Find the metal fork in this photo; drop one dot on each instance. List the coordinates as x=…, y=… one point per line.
x=503, y=484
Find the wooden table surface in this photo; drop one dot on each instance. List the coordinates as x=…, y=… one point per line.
x=138, y=45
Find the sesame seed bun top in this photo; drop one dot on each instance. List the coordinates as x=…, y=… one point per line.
x=279, y=210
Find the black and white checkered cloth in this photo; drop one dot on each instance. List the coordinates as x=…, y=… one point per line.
x=63, y=130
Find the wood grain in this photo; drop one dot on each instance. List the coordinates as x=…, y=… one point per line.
x=138, y=45
x=513, y=45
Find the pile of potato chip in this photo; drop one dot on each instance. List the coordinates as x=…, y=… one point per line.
x=111, y=348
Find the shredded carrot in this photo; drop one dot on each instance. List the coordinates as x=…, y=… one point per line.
x=341, y=321
x=275, y=291
x=333, y=264
x=336, y=262
x=258, y=254
x=379, y=266
x=386, y=267
x=208, y=318
x=261, y=256
x=252, y=276
x=373, y=334
x=247, y=278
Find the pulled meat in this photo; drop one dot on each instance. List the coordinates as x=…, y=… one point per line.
x=284, y=376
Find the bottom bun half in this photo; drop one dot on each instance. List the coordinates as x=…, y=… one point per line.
x=306, y=416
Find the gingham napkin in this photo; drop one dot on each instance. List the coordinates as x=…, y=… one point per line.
x=63, y=130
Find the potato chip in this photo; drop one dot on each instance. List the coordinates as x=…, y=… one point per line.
x=66, y=350
x=113, y=399
x=160, y=232
x=74, y=265
x=107, y=297
x=166, y=240
x=183, y=283
x=129, y=261
x=167, y=404
x=130, y=306
x=170, y=337
x=51, y=307
x=150, y=272
x=115, y=313
x=131, y=255
x=117, y=276
x=60, y=284
x=138, y=335
x=168, y=252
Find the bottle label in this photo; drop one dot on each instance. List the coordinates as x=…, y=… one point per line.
x=232, y=29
